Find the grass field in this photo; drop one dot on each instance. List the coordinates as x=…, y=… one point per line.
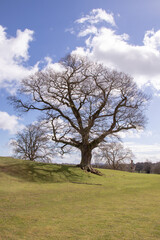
x=44, y=201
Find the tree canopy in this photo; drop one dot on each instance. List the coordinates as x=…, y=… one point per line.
x=33, y=143
x=86, y=102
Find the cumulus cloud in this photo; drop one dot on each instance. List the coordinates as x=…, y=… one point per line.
x=96, y=16
x=152, y=39
x=57, y=67
x=88, y=30
x=114, y=50
x=10, y=123
x=145, y=152
x=136, y=134
x=14, y=53
x=89, y=22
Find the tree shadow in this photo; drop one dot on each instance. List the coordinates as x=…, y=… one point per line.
x=42, y=172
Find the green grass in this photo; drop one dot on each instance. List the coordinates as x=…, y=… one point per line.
x=41, y=202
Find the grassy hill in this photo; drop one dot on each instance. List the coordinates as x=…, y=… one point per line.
x=46, y=202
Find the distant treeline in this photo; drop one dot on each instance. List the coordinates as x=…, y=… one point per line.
x=139, y=167
x=147, y=167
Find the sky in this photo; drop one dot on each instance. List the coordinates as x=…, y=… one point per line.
x=122, y=34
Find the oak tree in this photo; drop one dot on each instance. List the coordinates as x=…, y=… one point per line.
x=85, y=101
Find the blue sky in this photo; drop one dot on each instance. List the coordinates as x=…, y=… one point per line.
x=122, y=34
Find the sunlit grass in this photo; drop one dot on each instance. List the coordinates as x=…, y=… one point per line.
x=40, y=201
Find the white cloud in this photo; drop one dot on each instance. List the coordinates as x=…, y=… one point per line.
x=14, y=52
x=57, y=67
x=9, y=123
x=135, y=134
x=96, y=16
x=145, y=152
x=89, y=30
x=114, y=50
x=152, y=39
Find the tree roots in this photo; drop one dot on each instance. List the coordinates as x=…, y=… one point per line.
x=90, y=169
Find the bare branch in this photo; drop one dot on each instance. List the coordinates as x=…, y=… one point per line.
x=85, y=103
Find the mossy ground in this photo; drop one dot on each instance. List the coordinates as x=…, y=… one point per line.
x=40, y=202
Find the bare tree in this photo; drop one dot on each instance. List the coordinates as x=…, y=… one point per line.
x=114, y=155
x=85, y=102
x=32, y=143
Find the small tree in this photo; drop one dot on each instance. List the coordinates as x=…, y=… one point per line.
x=85, y=102
x=32, y=143
x=114, y=155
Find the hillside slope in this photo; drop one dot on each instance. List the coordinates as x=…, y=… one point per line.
x=46, y=202
x=41, y=172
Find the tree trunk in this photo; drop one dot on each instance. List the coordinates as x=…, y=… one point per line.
x=86, y=156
